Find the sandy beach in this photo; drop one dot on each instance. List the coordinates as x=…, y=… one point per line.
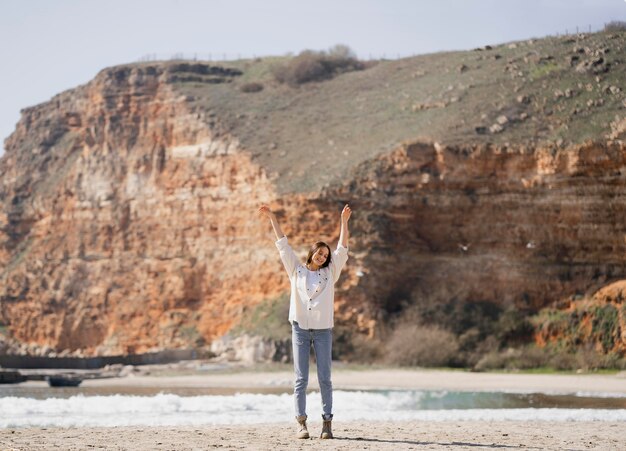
x=354, y=434
x=421, y=379
x=349, y=436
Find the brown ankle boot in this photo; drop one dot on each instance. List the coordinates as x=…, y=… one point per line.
x=303, y=432
x=326, y=427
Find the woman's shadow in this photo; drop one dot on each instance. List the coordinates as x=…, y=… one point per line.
x=423, y=443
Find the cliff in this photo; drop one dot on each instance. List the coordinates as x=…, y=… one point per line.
x=496, y=176
x=128, y=219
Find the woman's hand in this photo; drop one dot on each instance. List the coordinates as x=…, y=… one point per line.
x=345, y=213
x=265, y=211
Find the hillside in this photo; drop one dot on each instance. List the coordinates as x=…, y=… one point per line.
x=554, y=91
x=487, y=185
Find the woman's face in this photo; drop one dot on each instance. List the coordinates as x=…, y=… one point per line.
x=320, y=256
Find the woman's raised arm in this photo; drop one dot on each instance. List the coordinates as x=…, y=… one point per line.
x=287, y=255
x=345, y=233
x=265, y=211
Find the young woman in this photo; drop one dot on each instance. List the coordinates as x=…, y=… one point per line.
x=311, y=314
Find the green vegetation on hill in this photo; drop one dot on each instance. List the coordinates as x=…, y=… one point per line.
x=553, y=91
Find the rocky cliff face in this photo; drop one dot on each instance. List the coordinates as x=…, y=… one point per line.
x=510, y=226
x=128, y=218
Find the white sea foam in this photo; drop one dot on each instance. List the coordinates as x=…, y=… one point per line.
x=579, y=394
x=591, y=394
x=245, y=408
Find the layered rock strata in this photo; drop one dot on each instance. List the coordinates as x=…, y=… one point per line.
x=128, y=221
x=511, y=226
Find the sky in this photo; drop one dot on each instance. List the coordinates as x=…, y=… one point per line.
x=48, y=46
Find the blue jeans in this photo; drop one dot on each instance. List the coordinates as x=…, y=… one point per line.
x=322, y=340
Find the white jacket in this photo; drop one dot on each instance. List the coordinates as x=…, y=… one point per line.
x=315, y=312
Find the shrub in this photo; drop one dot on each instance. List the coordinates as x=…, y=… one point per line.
x=529, y=357
x=514, y=359
x=460, y=316
x=606, y=326
x=513, y=327
x=616, y=25
x=419, y=345
x=588, y=359
x=564, y=361
x=251, y=87
x=473, y=349
x=480, y=327
x=350, y=345
x=311, y=66
x=559, y=327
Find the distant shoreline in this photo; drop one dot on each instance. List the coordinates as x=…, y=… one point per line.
x=417, y=379
x=207, y=374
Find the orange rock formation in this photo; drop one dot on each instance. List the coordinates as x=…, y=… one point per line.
x=128, y=222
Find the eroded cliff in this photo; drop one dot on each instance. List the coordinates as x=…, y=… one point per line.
x=127, y=220
x=128, y=205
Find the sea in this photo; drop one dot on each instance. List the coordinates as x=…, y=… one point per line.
x=32, y=405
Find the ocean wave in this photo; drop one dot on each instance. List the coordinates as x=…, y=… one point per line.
x=246, y=408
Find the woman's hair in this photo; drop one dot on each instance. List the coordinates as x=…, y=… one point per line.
x=314, y=249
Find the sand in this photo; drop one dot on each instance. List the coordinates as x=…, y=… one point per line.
x=455, y=435
x=349, y=436
x=418, y=379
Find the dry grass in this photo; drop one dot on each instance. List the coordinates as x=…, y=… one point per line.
x=251, y=87
x=616, y=25
x=355, y=116
x=531, y=357
x=419, y=345
x=311, y=66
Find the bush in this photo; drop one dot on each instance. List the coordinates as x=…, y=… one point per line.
x=418, y=345
x=251, y=87
x=588, y=359
x=480, y=327
x=568, y=329
x=514, y=359
x=513, y=327
x=529, y=357
x=564, y=361
x=472, y=348
x=459, y=316
x=606, y=327
x=616, y=25
x=350, y=345
x=311, y=66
